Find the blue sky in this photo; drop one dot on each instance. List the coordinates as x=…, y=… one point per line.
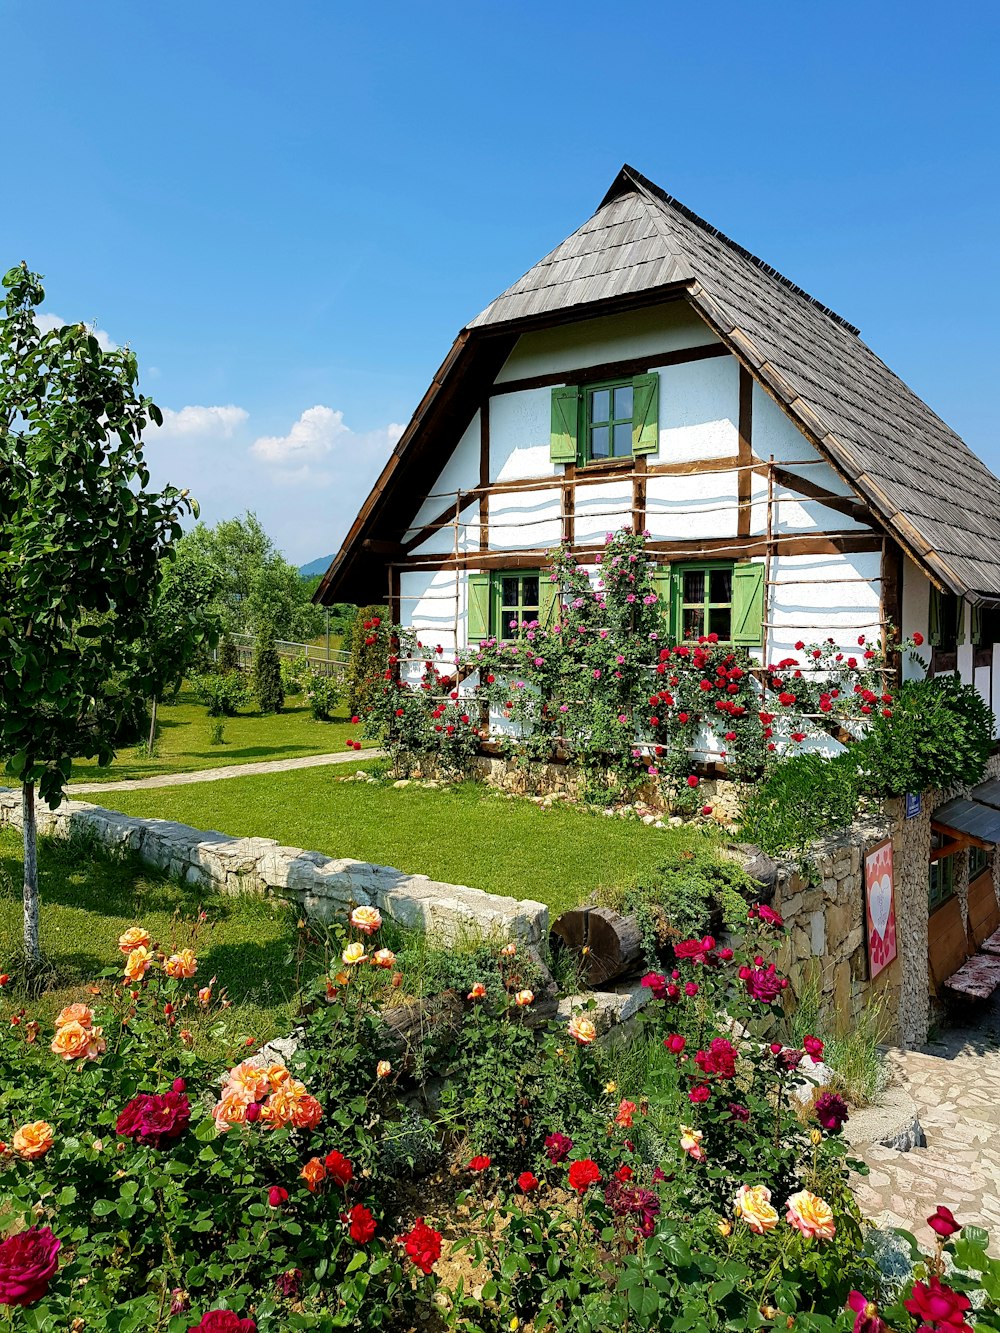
x=290, y=210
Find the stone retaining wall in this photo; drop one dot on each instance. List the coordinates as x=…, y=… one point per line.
x=323, y=887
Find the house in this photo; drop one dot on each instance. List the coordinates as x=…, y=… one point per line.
x=651, y=372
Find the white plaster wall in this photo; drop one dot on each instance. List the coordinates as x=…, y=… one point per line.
x=520, y=425
x=833, y=604
x=793, y=512
x=701, y=505
x=915, y=613
x=461, y=472
x=699, y=410
x=427, y=605
x=602, y=508
x=526, y=520
x=664, y=328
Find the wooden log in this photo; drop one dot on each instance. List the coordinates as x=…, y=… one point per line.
x=436, y=1017
x=605, y=943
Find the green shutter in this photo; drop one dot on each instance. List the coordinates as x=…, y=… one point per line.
x=977, y=625
x=959, y=621
x=479, y=607
x=565, y=422
x=660, y=579
x=934, y=618
x=548, y=599
x=748, y=604
x=646, y=414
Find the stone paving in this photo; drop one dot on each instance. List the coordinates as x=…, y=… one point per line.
x=955, y=1082
x=226, y=771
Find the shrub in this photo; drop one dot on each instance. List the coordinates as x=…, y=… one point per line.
x=229, y=658
x=369, y=656
x=222, y=695
x=939, y=736
x=266, y=676
x=801, y=799
x=294, y=672
x=323, y=695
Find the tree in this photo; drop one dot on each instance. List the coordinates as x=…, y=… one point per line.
x=81, y=541
x=267, y=685
x=185, y=619
x=257, y=585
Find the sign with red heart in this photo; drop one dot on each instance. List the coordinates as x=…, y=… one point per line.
x=880, y=907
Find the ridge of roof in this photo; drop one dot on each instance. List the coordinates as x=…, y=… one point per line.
x=629, y=179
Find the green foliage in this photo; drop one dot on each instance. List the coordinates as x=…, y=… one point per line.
x=939, y=736
x=229, y=658
x=266, y=680
x=322, y=694
x=801, y=799
x=853, y=1049
x=183, y=625
x=223, y=695
x=257, y=587
x=218, y=733
x=369, y=656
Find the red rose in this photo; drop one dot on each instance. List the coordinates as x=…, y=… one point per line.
x=423, y=1245
x=527, y=1182
x=339, y=1169
x=866, y=1319
x=223, y=1321
x=938, y=1306
x=813, y=1046
x=624, y=1174
x=675, y=1044
x=700, y=1093
x=154, y=1119
x=28, y=1261
x=276, y=1196
x=479, y=1164
x=583, y=1174
x=786, y=698
x=362, y=1227
x=918, y=638
x=692, y=781
x=942, y=1222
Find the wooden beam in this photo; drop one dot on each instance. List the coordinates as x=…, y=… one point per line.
x=843, y=504
x=440, y=520
x=611, y=370
x=744, y=478
x=484, y=474
x=569, y=504
x=891, y=600
x=375, y=547
x=639, y=494
x=957, y=842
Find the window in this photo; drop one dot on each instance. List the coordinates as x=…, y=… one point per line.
x=979, y=860
x=515, y=599
x=941, y=878
x=609, y=422
x=703, y=601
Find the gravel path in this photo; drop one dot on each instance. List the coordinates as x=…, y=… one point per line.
x=227, y=771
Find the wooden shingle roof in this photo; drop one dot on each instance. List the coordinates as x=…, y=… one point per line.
x=641, y=245
x=918, y=475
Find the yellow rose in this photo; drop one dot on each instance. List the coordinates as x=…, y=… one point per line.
x=383, y=1069
x=74, y=1013
x=134, y=938
x=811, y=1215
x=183, y=964
x=354, y=953
x=366, y=919
x=33, y=1140
x=139, y=961
x=753, y=1205
x=582, y=1030
x=75, y=1042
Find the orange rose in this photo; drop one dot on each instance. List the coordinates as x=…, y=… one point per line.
x=582, y=1030
x=384, y=958
x=524, y=998
x=205, y=994
x=277, y=1075
x=183, y=964
x=75, y=1042
x=134, y=938
x=231, y=1110
x=246, y=1080
x=753, y=1205
x=811, y=1215
x=33, y=1140
x=313, y=1173
x=306, y=1112
x=278, y=1110
x=139, y=961
x=74, y=1013
x=366, y=919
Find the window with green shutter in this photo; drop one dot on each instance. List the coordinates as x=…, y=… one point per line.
x=603, y=422
x=516, y=599
x=718, y=597
x=945, y=626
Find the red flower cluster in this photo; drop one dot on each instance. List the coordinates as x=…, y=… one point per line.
x=154, y=1119
x=423, y=1244
x=362, y=1224
x=763, y=984
x=719, y=1059
x=339, y=1169
x=583, y=1174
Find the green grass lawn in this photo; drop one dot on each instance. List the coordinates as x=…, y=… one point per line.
x=184, y=746
x=89, y=899
x=466, y=834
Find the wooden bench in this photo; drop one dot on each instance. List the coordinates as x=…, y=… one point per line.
x=992, y=945
x=979, y=976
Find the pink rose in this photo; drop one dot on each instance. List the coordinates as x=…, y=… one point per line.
x=28, y=1262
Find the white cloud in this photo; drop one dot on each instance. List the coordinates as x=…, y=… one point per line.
x=47, y=322
x=311, y=438
x=202, y=422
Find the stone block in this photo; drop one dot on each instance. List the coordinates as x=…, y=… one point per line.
x=817, y=932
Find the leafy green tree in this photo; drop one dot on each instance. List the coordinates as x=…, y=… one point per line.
x=267, y=683
x=81, y=541
x=257, y=585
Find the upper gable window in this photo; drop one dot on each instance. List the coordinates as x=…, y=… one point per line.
x=609, y=421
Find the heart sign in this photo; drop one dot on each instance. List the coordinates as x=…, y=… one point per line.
x=880, y=914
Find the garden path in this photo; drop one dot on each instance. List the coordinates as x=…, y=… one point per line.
x=228, y=771
x=955, y=1082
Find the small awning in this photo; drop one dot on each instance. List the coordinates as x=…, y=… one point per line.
x=975, y=816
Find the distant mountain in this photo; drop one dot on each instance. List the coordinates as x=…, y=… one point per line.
x=319, y=566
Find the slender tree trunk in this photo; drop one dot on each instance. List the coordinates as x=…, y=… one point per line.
x=31, y=946
x=152, y=726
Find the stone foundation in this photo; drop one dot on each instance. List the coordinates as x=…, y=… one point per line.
x=324, y=888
